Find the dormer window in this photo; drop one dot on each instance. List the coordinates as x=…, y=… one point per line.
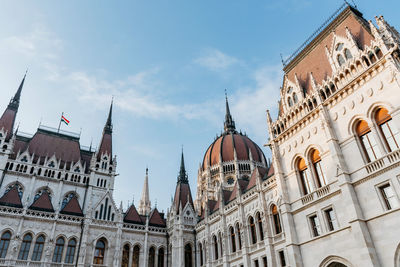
x=40, y=192
x=290, y=89
x=51, y=164
x=347, y=54
x=66, y=199
x=340, y=60
x=77, y=169
x=339, y=47
x=105, y=158
x=290, y=102
x=24, y=159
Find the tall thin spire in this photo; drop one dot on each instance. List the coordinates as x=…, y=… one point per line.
x=229, y=124
x=14, y=102
x=108, y=126
x=182, y=177
x=145, y=204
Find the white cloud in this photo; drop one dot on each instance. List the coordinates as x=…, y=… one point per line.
x=215, y=60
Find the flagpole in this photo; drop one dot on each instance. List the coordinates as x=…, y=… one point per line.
x=59, y=124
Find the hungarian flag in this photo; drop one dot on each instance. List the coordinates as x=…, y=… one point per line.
x=64, y=120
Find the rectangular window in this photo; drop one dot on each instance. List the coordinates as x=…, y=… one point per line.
x=282, y=258
x=391, y=134
x=265, y=261
x=330, y=219
x=256, y=263
x=307, y=187
x=315, y=226
x=320, y=174
x=388, y=196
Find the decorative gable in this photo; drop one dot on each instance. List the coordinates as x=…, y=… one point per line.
x=105, y=208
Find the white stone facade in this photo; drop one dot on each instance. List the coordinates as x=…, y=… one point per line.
x=329, y=198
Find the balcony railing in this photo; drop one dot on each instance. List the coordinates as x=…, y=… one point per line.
x=383, y=162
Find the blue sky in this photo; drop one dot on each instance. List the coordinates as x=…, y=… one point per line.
x=167, y=64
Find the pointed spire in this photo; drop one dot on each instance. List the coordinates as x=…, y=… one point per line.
x=229, y=124
x=182, y=177
x=108, y=126
x=145, y=204
x=14, y=102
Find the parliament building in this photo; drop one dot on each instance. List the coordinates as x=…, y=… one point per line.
x=328, y=197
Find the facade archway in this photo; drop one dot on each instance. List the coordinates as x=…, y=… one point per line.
x=335, y=261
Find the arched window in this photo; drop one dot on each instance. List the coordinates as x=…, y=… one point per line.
x=58, y=250
x=260, y=226
x=188, y=256
x=233, y=239
x=125, y=256
x=99, y=252
x=220, y=244
x=239, y=236
x=4, y=243
x=152, y=255
x=290, y=102
x=215, y=242
x=295, y=99
x=40, y=192
x=69, y=257
x=201, y=254
x=340, y=59
x=389, y=131
x=306, y=185
x=25, y=247
x=135, y=257
x=371, y=57
x=252, y=230
x=276, y=219
x=160, y=257
x=319, y=174
x=347, y=54
x=378, y=52
x=368, y=142
x=38, y=248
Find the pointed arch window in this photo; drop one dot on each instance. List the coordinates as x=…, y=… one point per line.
x=388, y=129
x=215, y=243
x=305, y=181
x=188, y=256
x=276, y=220
x=239, y=236
x=69, y=257
x=25, y=247
x=160, y=258
x=125, y=256
x=233, y=239
x=38, y=248
x=290, y=102
x=58, y=250
x=99, y=252
x=152, y=255
x=340, y=59
x=19, y=189
x=201, y=254
x=4, y=244
x=260, y=226
x=135, y=257
x=295, y=99
x=378, y=52
x=317, y=166
x=368, y=142
x=252, y=230
x=40, y=192
x=347, y=54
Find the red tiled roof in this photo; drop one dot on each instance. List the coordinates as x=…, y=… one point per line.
x=72, y=207
x=258, y=172
x=212, y=205
x=226, y=194
x=43, y=203
x=182, y=196
x=156, y=219
x=7, y=121
x=11, y=198
x=233, y=195
x=313, y=58
x=270, y=171
x=224, y=146
x=132, y=216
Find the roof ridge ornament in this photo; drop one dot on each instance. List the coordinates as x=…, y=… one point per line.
x=182, y=177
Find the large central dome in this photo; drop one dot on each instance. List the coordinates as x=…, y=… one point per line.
x=223, y=149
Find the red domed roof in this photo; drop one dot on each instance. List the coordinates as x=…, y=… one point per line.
x=223, y=148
